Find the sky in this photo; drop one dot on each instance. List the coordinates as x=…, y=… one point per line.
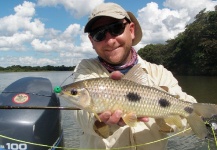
x=51, y=32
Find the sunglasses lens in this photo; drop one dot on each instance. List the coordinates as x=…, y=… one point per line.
x=99, y=36
x=117, y=29
x=114, y=29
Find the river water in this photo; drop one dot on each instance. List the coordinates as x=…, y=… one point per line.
x=204, y=89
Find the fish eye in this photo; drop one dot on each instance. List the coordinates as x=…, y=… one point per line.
x=74, y=92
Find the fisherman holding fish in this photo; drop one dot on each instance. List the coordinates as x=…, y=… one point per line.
x=113, y=32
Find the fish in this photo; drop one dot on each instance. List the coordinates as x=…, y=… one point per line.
x=136, y=99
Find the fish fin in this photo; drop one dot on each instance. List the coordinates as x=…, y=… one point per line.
x=174, y=120
x=92, y=110
x=161, y=88
x=205, y=110
x=164, y=127
x=145, y=70
x=201, y=110
x=136, y=74
x=130, y=119
x=97, y=116
x=197, y=125
x=178, y=97
x=165, y=88
x=101, y=129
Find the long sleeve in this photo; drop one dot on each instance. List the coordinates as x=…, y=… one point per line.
x=85, y=70
x=147, y=132
x=160, y=76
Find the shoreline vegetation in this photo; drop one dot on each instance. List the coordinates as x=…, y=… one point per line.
x=192, y=52
x=18, y=68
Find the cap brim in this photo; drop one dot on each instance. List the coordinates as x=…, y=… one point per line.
x=138, y=30
x=91, y=22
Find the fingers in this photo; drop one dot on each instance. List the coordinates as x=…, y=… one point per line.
x=105, y=116
x=116, y=75
x=108, y=118
x=121, y=123
x=143, y=119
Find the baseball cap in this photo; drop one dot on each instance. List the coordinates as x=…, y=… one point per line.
x=115, y=11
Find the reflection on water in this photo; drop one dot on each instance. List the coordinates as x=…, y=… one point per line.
x=71, y=130
x=202, y=88
x=190, y=143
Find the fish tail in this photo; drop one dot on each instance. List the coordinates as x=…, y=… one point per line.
x=201, y=110
x=197, y=125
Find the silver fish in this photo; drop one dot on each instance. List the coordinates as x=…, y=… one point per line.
x=136, y=100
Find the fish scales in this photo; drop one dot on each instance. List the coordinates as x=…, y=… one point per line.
x=134, y=99
x=130, y=97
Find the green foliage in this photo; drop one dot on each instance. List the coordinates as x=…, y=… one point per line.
x=18, y=68
x=193, y=52
x=153, y=50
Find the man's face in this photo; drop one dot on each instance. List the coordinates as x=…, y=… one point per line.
x=113, y=49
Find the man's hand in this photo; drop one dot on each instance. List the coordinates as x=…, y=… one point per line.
x=115, y=118
x=116, y=75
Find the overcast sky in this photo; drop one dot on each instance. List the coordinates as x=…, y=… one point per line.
x=50, y=32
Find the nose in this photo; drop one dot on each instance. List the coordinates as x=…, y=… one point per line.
x=109, y=39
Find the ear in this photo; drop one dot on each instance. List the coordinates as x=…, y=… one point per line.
x=91, y=40
x=132, y=30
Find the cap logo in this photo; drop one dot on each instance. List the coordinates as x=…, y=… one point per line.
x=95, y=14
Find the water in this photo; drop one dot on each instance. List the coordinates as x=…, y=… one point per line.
x=71, y=130
x=202, y=88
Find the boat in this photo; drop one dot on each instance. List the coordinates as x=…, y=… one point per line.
x=32, y=129
x=28, y=123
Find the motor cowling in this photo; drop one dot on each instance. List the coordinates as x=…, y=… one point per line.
x=32, y=129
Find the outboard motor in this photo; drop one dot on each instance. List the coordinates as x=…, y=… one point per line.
x=30, y=129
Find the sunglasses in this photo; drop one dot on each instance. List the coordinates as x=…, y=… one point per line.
x=114, y=29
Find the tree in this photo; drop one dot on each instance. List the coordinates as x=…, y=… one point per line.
x=192, y=52
x=153, y=53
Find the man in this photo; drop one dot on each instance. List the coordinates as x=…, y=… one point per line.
x=113, y=32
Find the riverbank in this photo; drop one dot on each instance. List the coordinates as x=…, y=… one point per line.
x=18, y=68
